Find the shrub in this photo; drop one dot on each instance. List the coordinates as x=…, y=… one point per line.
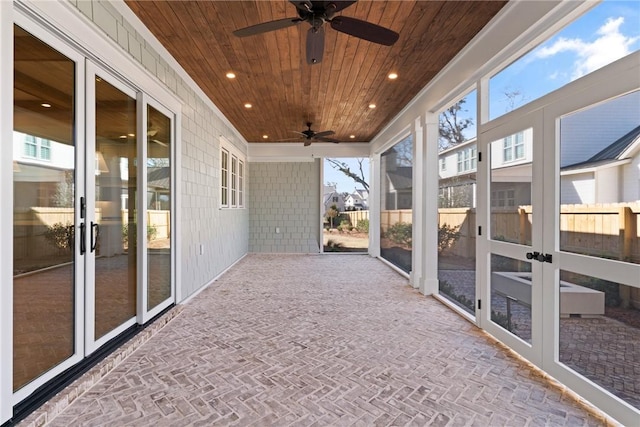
x=152, y=232
x=60, y=235
x=345, y=225
x=447, y=236
x=363, y=226
x=400, y=233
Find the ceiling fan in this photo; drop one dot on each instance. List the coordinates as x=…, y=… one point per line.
x=316, y=13
x=310, y=135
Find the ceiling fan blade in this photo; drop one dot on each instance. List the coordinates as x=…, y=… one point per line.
x=266, y=27
x=335, y=141
x=364, y=30
x=323, y=134
x=315, y=45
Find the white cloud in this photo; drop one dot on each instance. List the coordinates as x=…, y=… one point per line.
x=610, y=45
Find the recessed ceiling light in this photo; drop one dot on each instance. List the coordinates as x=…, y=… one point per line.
x=393, y=76
x=132, y=135
x=46, y=105
x=231, y=75
x=123, y=136
x=265, y=136
x=352, y=136
x=372, y=106
x=247, y=105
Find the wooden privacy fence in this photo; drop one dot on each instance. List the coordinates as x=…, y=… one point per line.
x=388, y=218
x=356, y=216
x=609, y=230
x=30, y=227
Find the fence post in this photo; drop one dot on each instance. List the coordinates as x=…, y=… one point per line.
x=627, y=233
x=522, y=216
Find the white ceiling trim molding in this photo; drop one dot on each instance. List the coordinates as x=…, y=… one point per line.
x=297, y=152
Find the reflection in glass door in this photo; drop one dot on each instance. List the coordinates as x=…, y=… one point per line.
x=113, y=229
x=157, y=216
x=47, y=229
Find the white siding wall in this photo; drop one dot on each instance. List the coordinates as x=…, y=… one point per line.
x=631, y=180
x=577, y=189
x=285, y=196
x=607, y=183
x=223, y=234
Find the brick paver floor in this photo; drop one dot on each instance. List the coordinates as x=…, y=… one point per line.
x=321, y=340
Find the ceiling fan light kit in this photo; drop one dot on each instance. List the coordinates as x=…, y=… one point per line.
x=316, y=14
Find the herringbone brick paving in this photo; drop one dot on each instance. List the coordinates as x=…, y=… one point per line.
x=295, y=340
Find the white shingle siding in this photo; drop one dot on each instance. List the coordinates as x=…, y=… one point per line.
x=298, y=220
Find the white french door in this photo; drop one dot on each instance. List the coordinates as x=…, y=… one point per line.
x=111, y=181
x=559, y=259
x=512, y=240
x=93, y=224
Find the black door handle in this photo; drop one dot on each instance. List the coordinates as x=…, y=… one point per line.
x=83, y=247
x=532, y=255
x=538, y=256
x=94, y=238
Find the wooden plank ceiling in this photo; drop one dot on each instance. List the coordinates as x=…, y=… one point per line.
x=285, y=92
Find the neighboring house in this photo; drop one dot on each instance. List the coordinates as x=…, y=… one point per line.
x=357, y=201
x=397, y=184
x=599, y=179
x=159, y=188
x=594, y=165
x=332, y=197
x=45, y=162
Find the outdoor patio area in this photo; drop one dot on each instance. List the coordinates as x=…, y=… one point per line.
x=316, y=340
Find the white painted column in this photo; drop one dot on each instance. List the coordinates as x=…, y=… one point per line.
x=374, y=206
x=430, y=191
x=417, y=212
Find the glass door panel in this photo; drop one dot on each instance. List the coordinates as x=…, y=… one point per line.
x=113, y=230
x=159, y=208
x=514, y=268
x=597, y=228
x=45, y=225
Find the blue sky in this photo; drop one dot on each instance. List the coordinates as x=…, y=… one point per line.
x=344, y=183
x=607, y=32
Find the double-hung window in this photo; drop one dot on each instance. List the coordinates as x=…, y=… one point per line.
x=514, y=147
x=467, y=159
x=232, y=178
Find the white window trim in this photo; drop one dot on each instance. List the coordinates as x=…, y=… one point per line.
x=516, y=140
x=236, y=180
